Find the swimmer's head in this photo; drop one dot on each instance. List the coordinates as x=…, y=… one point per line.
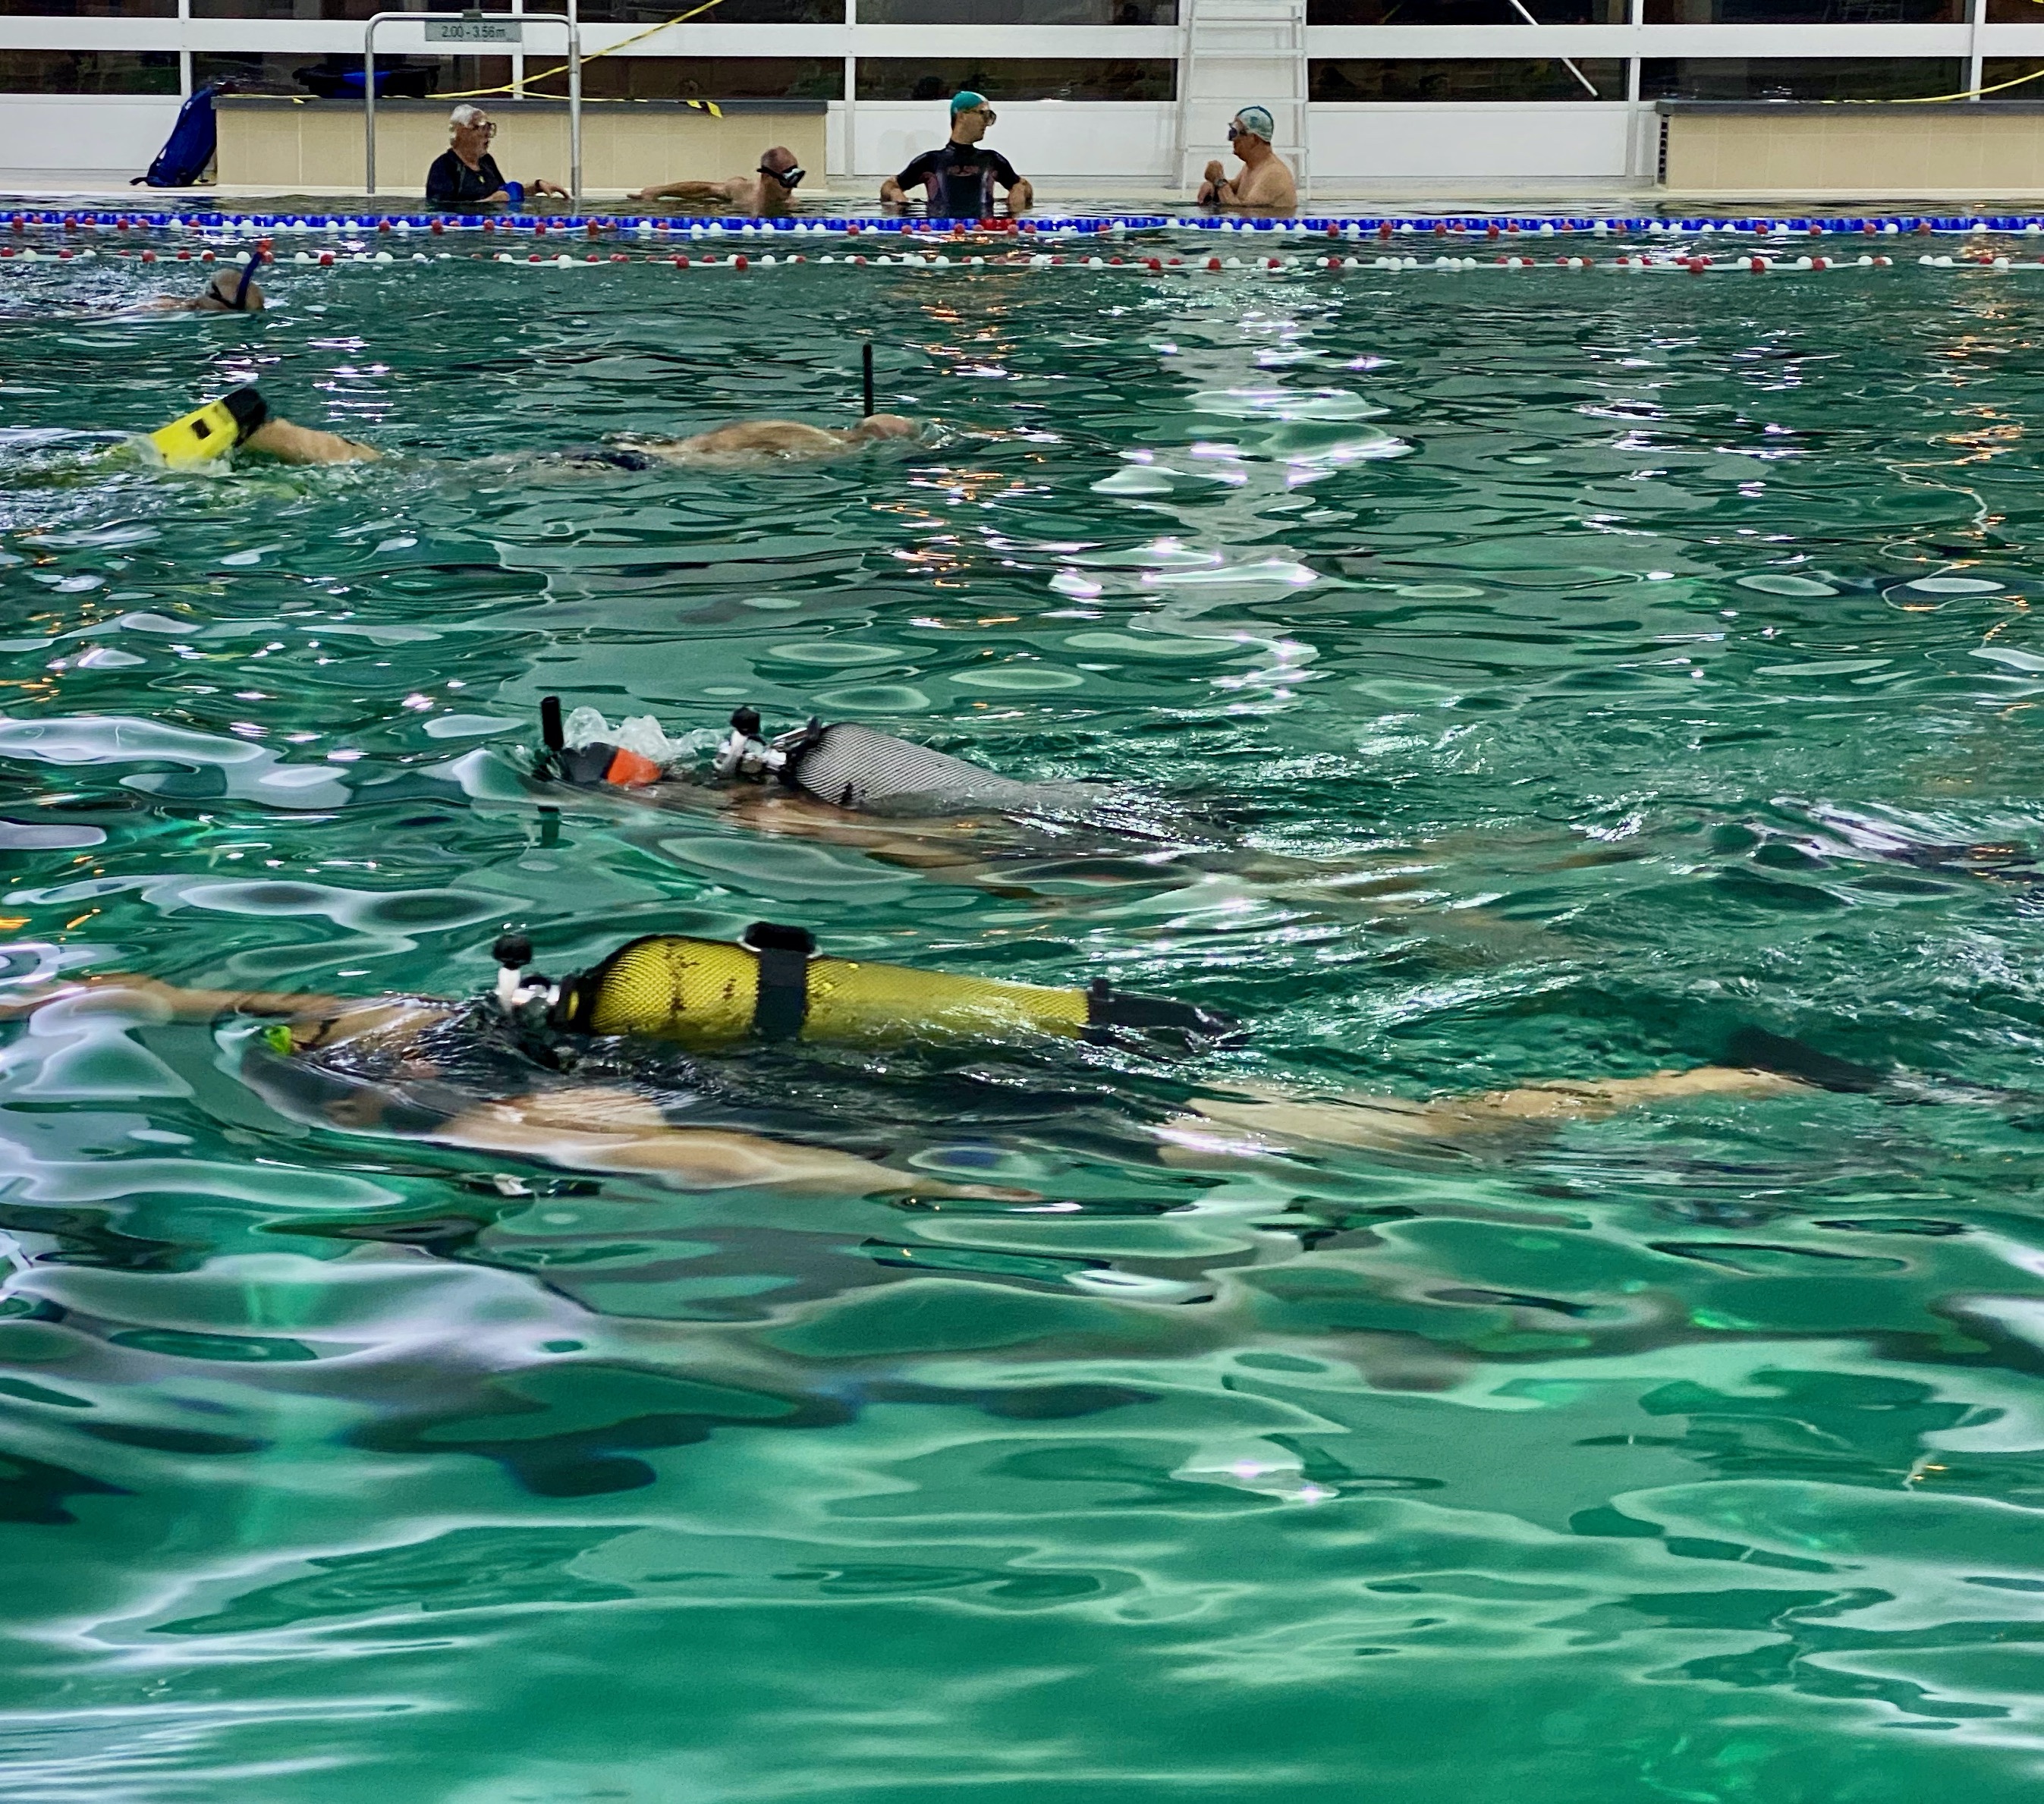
x=886, y=426
x=1251, y=122
x=970, y=116
x=232, y=290
x=780, y=163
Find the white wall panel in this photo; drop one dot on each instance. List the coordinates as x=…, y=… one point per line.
x=83, y=132
x=1563, y=141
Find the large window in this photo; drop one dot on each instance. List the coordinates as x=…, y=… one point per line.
x=88, y=72
x=88, y=9
x=340, y=77
x=728, y=13
x=1438, y=78
x=1018, y=12
x=1995, y=70
x=1811, y=12
x=698, y=77
x=386, y=40
x=920, y=78
x=1799, y=78
x=1464, y=12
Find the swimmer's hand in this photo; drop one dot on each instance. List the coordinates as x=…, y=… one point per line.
x=1213, y=171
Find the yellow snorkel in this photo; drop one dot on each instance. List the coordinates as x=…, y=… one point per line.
x=211, y=430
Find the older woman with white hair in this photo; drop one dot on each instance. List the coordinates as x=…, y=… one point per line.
x=466, y=175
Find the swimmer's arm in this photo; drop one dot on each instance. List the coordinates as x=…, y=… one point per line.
x=178, y=1004
x=893, y=194
x=1214, y=189
x=290, y=443
x=691, y=191
x=1020, y=196
x=586, y=1130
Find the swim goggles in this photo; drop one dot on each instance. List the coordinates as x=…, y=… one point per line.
x=240, y=303
x=787, y=178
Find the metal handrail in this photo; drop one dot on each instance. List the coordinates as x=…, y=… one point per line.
x=522, y=19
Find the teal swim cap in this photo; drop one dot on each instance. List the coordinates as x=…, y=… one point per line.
x=1257, y=119
x=965, y=100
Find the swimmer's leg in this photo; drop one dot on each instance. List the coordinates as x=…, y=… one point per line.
x=610, y=1130
x=1259, y=1120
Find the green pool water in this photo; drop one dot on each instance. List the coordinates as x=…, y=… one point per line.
x=1519, y=678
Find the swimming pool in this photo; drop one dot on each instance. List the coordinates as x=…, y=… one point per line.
x=1520, y=680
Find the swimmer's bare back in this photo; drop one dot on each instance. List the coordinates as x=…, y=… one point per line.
x=290, y=443
x=787, y=439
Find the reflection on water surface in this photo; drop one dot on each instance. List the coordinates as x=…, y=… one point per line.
x=1497, y=690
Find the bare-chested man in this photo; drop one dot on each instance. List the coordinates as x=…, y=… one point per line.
x=1266, y=182
x=770, y=191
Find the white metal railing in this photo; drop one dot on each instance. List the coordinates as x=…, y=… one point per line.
x=473, y=28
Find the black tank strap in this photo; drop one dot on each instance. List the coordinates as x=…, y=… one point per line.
x=1107, y=1009
x=794, y=747
x=782, y=1003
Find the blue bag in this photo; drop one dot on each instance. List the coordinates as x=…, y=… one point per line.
x=190, y=145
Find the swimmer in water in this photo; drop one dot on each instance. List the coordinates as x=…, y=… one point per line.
x=954, y=821
x=473, y=1075
x=746, y=441
x=768, y=192
x=231, y=290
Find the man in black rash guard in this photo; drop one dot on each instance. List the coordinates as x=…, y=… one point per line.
x=466, y=175
x=960, y=178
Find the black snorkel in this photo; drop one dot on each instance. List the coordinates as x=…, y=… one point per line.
x=240, y=303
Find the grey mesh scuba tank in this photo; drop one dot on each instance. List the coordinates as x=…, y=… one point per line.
x=854, y=767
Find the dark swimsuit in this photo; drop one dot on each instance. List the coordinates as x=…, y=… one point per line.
x=604, y=457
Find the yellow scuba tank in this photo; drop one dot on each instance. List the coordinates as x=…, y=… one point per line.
x=771, y=986
x=211, y=430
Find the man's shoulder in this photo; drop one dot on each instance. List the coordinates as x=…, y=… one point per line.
x=1275, y=178
x=444, y=158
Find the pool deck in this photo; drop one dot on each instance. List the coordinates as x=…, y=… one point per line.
x=843, y=195
x=839, y=192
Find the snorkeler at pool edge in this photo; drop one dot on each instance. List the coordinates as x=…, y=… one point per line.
x=244, y=418
x=580, y=1073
